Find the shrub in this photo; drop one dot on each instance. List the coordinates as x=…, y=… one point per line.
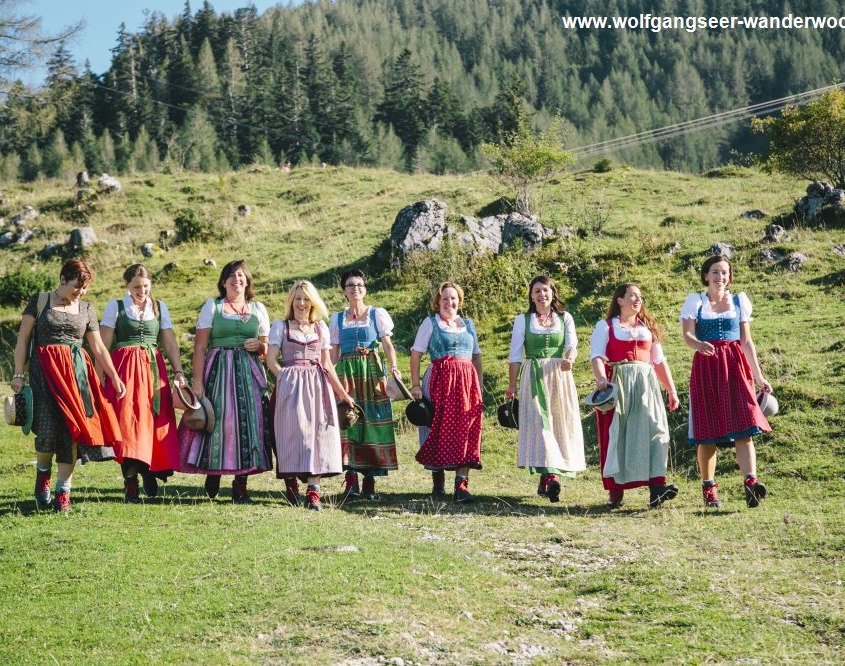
x=603, y=165
x=16, y=287
x=191, y=228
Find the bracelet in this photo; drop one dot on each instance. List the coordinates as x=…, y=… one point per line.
x=18, y=375
x=416, y=386
x=178, y=372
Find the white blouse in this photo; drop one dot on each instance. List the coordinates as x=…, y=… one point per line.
x=110, y=313
x=425, y=330
x=277, y=332
x=570, y=340
x=384, y=324
x=689, y=310
x=206, y=317
x=601, y=336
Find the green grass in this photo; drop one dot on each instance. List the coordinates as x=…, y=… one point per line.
x=510, y=579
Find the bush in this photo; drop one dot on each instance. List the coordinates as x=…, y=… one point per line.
x=603, y=165
x=191, y=228
x=17, y=287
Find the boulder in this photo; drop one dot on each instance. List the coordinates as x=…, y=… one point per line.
x=755, y=214
x=775, y=234
x=148, y=249
x=26, y=215
x=6, y=239
x=722, y=250
x=422, y=227
x=770, y=255
x=795, y=261
x=82, y=237
x=244, y=210
x=108, y=184
x=25, y=236
x=82, y=180
x=50, y=250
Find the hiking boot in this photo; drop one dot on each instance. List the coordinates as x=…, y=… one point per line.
x=239, y=492
x=614, y=499
x=754, y=492
x=541, y=486
x=659, y=493
x=312, y=498
x=350, y=488
x=711, y=498
x=42, y=487
x=130, y=488
x=368, y=491
x=462, y=494
x=212, y=485
x=438, y=483
x=63, y=502
x=292, y=492
x=150, y=484
x=552, y=488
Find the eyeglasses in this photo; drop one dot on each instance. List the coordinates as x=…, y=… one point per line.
x=356, y=285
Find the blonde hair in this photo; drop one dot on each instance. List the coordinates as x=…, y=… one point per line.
x=434, y=303
x=318, y=307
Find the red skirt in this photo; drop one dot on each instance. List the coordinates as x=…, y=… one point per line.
x=101, y=428
x=147, y=436
x=723, y=406
x=454, y=439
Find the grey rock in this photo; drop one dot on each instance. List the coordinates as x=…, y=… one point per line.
x=50, y=250
x=772, y=256
x=795, y=261
x=775, y=233
x=82, y=237
x=420, y=226
x=108, y=184
x=755, y=214
x=722, y=249
x=27, y=215
x=244, y=210
x=82, y=179
x=148, y=249
x=6, y=239
x=25, y=236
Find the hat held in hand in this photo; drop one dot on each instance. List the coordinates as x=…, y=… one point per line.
x=603, y=399
x=18, y=409
x=200, y=418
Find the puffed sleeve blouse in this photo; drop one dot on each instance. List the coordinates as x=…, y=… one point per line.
x=690, y=310
x=206, y=318
x=110, y=313
x=277, y=332
x=570, y=339
x=425, y=330
x=384, y=324
x=601, y=336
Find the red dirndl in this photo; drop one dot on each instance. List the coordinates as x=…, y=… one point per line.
x=723, y=407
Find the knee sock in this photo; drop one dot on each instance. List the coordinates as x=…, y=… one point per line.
x=63, y=486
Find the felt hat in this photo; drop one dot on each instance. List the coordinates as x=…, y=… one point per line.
x=508, y=414
x=184, y=397
x=200, y=418
x=348, y=416
x=603, y=399
x=420, y=412
x=18, y=410
x=768, y=403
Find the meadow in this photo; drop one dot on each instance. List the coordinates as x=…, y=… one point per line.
x=510, y=579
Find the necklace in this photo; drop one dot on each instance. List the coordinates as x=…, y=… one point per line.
x=451, y=323
x=306, y=327
x=141, y=309
x=546, y=320
x=355, y=316
x=244, y=313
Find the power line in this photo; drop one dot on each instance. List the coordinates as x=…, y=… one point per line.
x=698, y=124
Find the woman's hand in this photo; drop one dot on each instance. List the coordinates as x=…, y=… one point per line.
x=349, y=400
x=764, y=385
x=416, y=392
x=510, y=393
x=566, y=365
x=397, y=372
x=602, y=383
x=119, y=387
x=705, y=348
x=254, y=345
x=17, y=383
x=674, y=402
x=179, y=379
x=198, y=389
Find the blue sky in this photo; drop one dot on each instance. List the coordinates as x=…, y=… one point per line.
x=103, y=18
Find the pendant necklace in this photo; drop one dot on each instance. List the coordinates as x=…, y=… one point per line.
x=244, y=314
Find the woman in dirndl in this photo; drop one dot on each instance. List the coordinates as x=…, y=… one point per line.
x=544, y=347
x=634, y=437
x=723, y=407
x=305, y=416
x=71, y=417
x=230, y=341
x=135, y=327
x=453, y=384
x=368, y=445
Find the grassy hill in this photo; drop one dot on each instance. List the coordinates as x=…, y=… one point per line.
x=510, y=579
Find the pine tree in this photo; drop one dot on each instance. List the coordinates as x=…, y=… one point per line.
x=401, y=107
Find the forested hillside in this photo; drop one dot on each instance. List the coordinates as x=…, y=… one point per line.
x=410, y=84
